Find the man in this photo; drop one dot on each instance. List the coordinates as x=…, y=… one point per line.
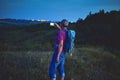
x=58, y=58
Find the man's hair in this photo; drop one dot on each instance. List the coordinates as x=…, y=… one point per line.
x=64, y=23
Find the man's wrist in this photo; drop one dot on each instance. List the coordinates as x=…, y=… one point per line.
x=58, y=55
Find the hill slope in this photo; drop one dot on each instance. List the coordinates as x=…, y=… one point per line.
x=34, y=37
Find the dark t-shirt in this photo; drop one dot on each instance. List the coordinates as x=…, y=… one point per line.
x=61, y=36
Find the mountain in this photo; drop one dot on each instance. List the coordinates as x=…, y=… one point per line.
x=19, y=22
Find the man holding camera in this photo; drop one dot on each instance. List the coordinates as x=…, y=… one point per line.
x=58, y=58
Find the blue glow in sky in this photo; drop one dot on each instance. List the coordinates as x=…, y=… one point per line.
x=54, y=9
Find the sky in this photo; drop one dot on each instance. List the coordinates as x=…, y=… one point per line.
x=54, y=10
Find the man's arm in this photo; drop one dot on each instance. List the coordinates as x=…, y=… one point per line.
x=57, y=26
x=60, y=48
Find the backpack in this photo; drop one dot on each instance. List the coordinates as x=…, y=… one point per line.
x=69, y=43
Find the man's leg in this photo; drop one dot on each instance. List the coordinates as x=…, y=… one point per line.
x=52, y=71
x=61, y=70
x=53, y=68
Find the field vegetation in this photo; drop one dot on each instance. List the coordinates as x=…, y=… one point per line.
x=87, y=63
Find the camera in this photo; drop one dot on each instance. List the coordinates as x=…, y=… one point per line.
x=52, y=24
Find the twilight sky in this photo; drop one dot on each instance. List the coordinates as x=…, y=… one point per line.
x=54, y=9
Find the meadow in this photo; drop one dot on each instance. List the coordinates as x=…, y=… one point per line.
x=87, y=63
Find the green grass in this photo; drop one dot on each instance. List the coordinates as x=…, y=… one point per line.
x=87, y=63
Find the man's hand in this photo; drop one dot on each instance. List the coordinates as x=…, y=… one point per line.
x=57, y=59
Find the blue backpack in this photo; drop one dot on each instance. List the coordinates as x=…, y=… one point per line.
x=69, y=43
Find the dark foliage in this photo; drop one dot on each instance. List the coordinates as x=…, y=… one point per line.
x=100, y=29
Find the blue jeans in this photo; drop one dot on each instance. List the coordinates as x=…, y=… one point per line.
x=54, y=66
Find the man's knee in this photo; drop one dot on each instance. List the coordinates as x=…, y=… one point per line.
x=62, y=74
x=52, y=75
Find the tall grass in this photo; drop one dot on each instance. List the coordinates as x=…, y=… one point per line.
x=85, y=64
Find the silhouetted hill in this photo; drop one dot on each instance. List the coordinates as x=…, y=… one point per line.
x=99, y=29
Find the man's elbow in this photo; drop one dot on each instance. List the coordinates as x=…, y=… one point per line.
x=61, y=43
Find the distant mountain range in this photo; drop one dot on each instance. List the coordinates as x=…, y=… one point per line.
x=20, y=22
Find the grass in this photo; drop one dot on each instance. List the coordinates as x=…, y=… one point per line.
x=87, y=63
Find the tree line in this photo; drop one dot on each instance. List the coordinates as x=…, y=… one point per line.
x=102, y=28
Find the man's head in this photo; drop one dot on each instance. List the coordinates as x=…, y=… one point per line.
x=64, y=23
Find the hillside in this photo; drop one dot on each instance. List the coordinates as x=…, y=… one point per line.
x=26, y=38
x=99, y=29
